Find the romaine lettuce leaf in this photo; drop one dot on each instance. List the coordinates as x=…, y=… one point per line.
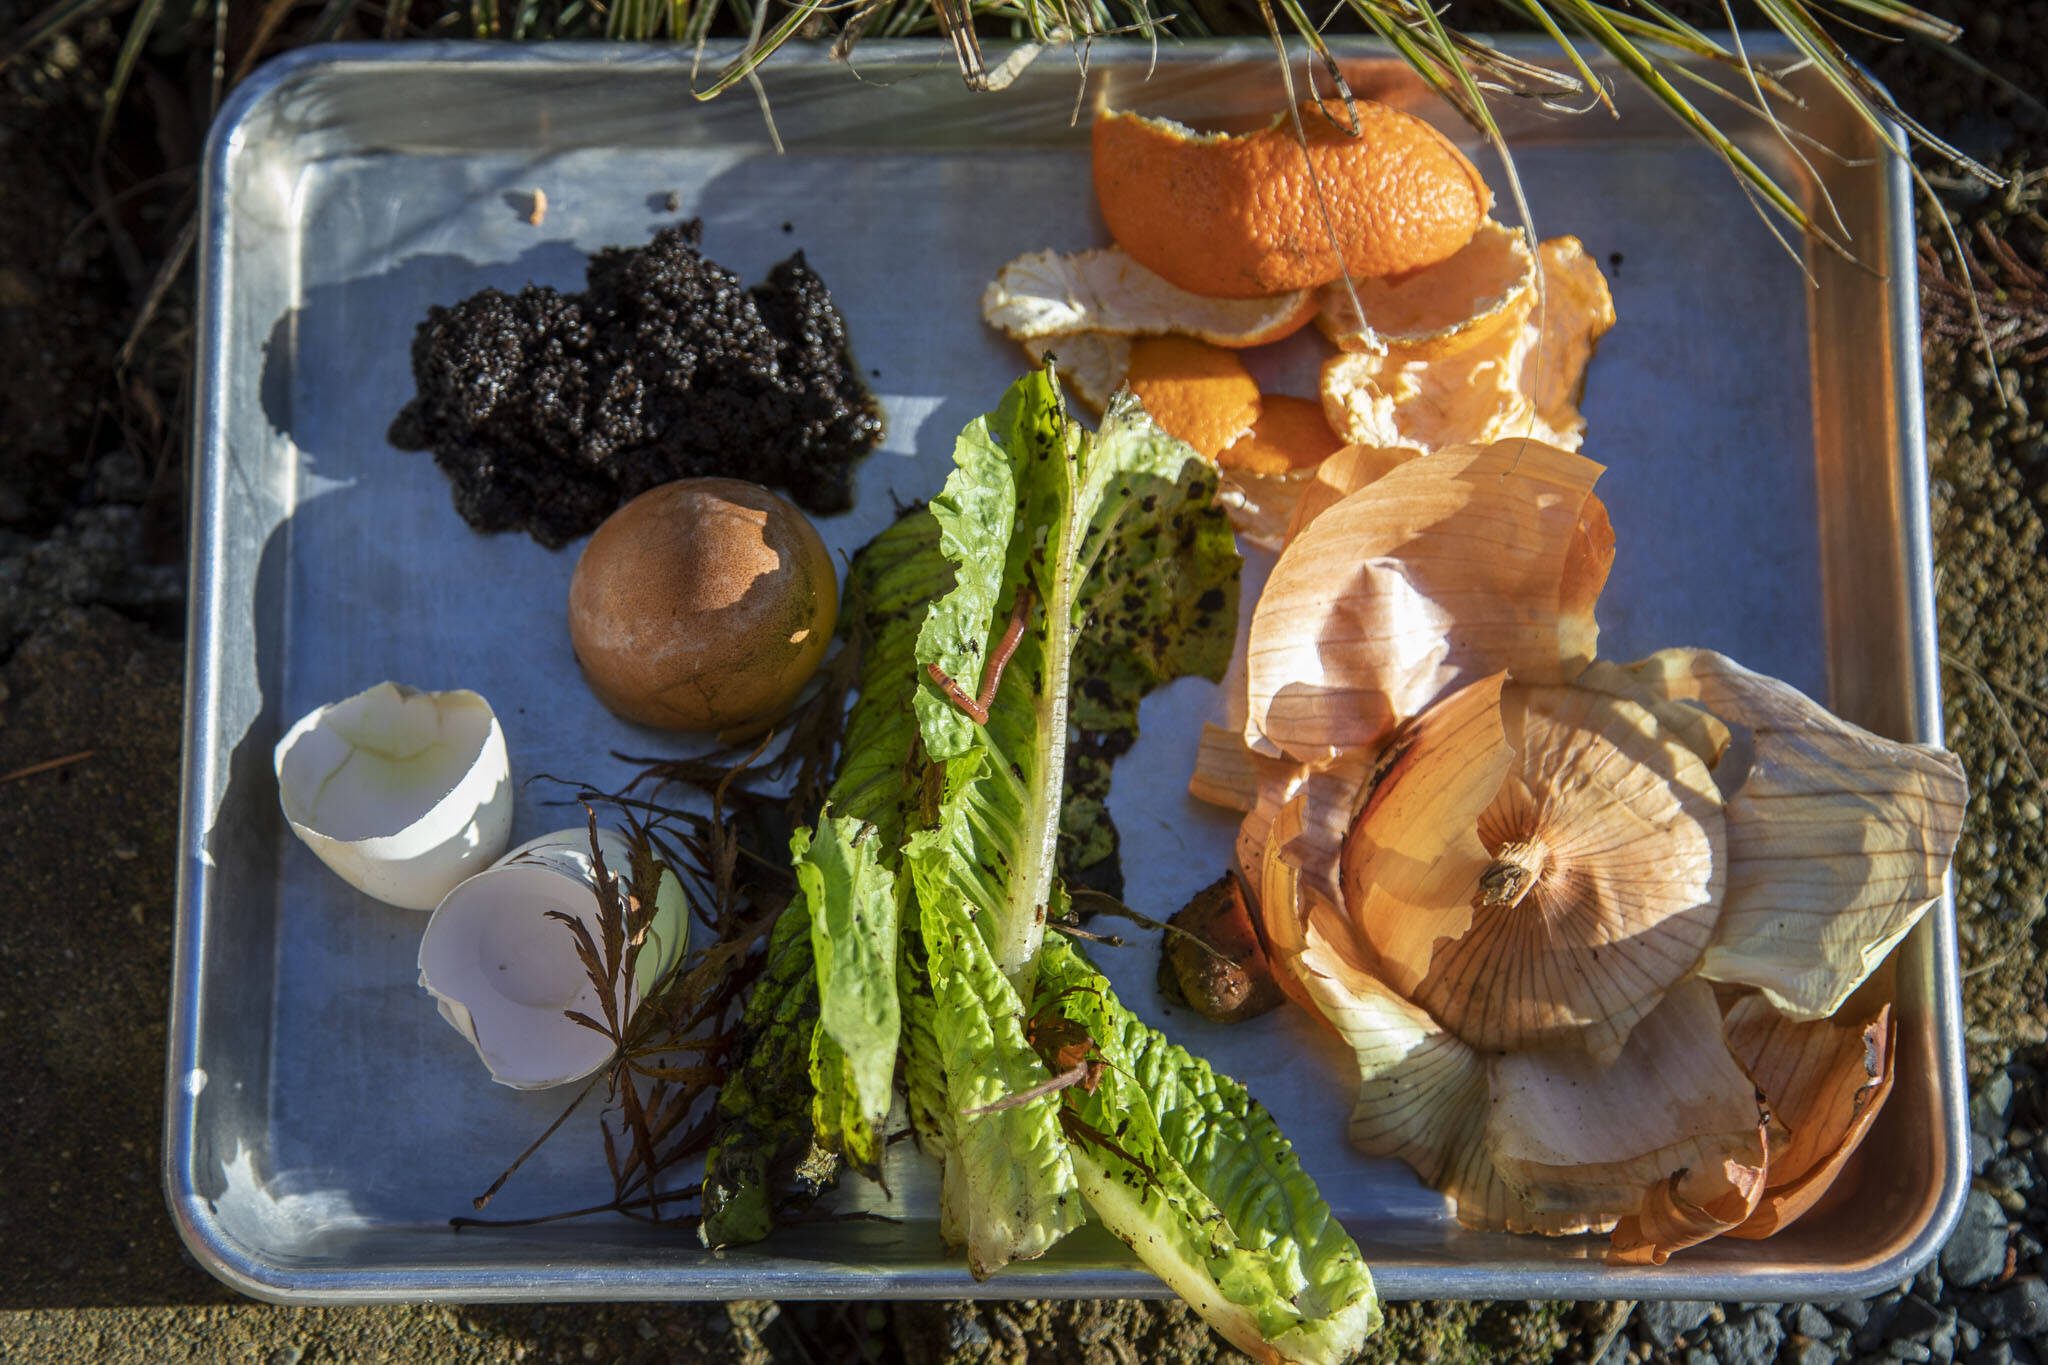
x=854, y=908
x=889, y=587
x=924, y=1086
x=1034, y=505
x=837, y=1121
x=1194, y=1175
x=1126, y=572
x=1162, y=605
x=764, y=1105
x=1010, y=1175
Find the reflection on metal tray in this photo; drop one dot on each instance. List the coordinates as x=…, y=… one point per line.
x=1766, y=479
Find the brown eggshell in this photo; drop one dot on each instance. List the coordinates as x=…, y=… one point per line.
x=701, y=605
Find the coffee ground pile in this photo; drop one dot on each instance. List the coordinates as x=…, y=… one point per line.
x=547, y=410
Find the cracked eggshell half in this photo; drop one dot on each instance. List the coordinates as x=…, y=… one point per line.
x=402, y=793
x=504, y=974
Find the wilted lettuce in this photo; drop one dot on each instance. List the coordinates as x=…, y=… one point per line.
x=939, y=864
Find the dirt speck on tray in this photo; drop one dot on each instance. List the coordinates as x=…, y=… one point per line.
x=547, y=410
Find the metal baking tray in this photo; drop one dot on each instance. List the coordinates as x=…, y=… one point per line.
x=1766, y=480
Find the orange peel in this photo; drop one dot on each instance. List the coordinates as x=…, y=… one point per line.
x=1265, y=471
x=1472, y=294
x=1290, y=434
x=1052, y=293
x=1502, y=382
x=1200, y=393
x=1239, y=216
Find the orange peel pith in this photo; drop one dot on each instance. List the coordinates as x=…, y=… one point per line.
x=1238, y=217
x=1519, y=374
x=1480, y=290
x=1054, y=293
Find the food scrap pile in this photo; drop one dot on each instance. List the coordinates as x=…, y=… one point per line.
x=546, y=410
x=1611, y=942
x=1446, y=327
x=937, y=916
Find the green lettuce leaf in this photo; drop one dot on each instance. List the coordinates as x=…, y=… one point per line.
x=1162, y=605
x=1009, y=1179
x=1194, y=1175
x=763, y=1114
x=960, y=830
x=854, y=908
x=924, y=1086
x=787, y=1084
x=889, y=587
x=1034, y=505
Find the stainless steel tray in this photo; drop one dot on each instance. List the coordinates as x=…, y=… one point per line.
x=1766, y=479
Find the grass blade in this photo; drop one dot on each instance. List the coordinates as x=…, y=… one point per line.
x=1430, y=66
x=744, y=65
x=1646, y=72
x=1670, y=31
x=1806, y=140
x=1763, y=105
x=1497, y=71
x=1906, y=17
x=1535, y=10
x=139, y=26
x=1870, y=100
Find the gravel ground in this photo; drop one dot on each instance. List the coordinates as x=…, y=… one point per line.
x=91, y=659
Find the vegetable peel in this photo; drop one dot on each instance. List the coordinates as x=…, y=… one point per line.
x=1352, y=634
x=1031, y=1117
x=1557, y=873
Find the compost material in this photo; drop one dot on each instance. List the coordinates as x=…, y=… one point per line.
x=547, y=410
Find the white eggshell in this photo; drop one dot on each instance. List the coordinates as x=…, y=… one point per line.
x=403, y=793
x=505, y=975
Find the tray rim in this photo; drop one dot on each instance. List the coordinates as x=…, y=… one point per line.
x=269, y=1279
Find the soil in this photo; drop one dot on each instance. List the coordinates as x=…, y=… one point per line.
x=547, y=410
x=91, y=669
x=1990, y=487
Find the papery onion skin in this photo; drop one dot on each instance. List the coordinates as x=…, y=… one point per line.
x=1422, y=1092
x=1396, y=818
x=1343, y=474
x=1838, y=839
x=1674, y=1122
x=1411, y=861
x=1825, y=1081
x=1669, y=1221
x=1352, y=634
x=1615, y=828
